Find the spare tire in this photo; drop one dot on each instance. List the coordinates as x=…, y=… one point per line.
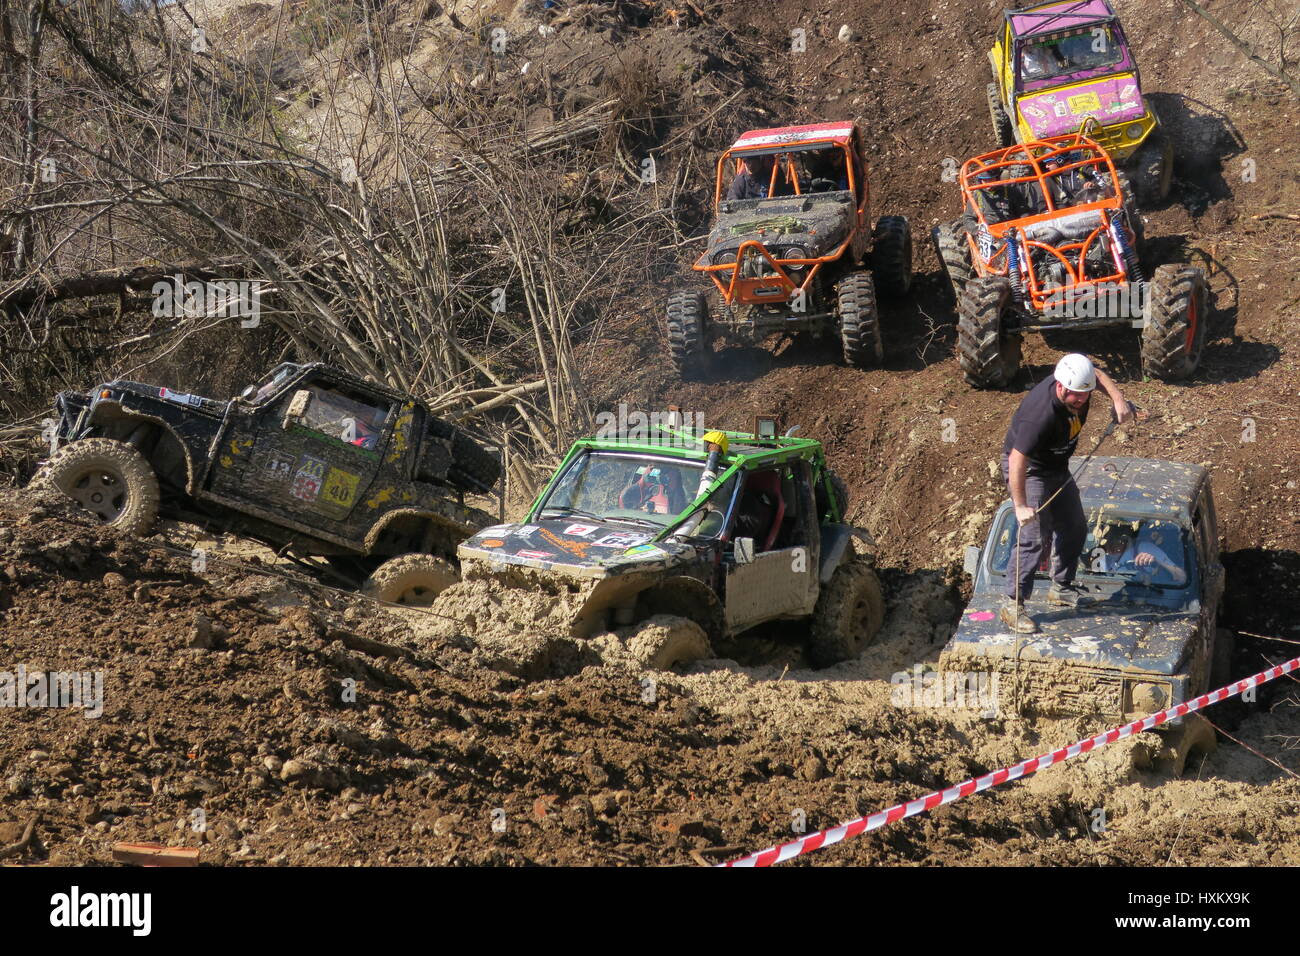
x=473, y=467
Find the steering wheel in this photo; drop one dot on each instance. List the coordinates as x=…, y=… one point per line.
x=823, y=185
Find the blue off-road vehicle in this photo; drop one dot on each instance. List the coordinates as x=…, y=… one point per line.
x=1144, y=637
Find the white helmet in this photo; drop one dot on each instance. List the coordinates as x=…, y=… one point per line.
x=1076, y=373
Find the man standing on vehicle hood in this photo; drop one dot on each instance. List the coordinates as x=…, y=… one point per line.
x=1036, y=465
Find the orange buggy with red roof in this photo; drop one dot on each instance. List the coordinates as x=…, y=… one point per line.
x=1050, y=239
x=792, y=248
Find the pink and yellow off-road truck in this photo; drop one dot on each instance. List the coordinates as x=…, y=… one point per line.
x=1058, y=63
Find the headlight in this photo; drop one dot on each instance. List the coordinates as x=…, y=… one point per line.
x=1147, y=697
x=794, y=252
x=726, y=255
x=1134, y=131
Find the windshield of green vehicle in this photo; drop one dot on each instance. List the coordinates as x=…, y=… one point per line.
x=1142, y=551
x=1064, y=54
x=624, y=485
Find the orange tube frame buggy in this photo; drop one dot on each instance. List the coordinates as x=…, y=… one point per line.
x=777, y=289
x=1033, y=155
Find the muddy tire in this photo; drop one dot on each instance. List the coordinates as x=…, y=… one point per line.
x=666, y=641
x=1004, y=132
x=859, y=320
x=988, y=355
x=1194, y=738
x=688, y=319
x=891, y=256
x=415, y=580
x=849, y=614
x=1153, y=168
x=953, y=250
x=1177, y=313
x=108, y=478
x=473, y=467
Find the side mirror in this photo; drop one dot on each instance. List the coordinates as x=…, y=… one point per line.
x=744, y=550
x=971, y=562
x=297, y=407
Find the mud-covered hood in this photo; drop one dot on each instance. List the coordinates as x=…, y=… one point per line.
x=1056, y=112
x=1125, y=637
x=579, y=546
x=818, y=224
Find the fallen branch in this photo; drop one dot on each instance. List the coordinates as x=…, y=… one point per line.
x=1278, y=215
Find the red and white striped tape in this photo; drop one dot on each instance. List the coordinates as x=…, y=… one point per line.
x=852, y=828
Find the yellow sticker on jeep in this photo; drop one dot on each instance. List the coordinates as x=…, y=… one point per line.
x=1083, y=102
x=340, y=488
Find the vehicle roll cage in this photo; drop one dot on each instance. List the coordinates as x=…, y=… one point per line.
x=778, y=286
x=975, y=176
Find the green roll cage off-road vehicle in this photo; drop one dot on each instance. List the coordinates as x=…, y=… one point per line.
x=1056, y=64
x=718, y=537
x=796, y=252
x=312, y=461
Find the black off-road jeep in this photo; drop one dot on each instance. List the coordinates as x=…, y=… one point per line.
x=312, y=461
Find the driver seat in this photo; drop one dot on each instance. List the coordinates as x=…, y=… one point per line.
x=769, y=483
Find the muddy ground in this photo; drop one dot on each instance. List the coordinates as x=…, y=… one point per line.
x=252, y=726
x=227, y=691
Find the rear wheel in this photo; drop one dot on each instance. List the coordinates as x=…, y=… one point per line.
x=953, y=250
x=108, y=478
x=849, y=614
x=891, y=256
x=989, y=356
x=1174, y=336
x=1003, y=130
x=412, y=579
x=859, y=320
x=687, y=324
x=1153, y=167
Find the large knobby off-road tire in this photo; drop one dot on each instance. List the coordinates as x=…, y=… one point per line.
x=1153, y=167
x=859, y=320
x=688, y=319
x=1194, y=738
x=666, y=641
x=848, y=616
x=988, y=355
x=108, y=478
x=953, y=250
x=415, y=580
x=1004, y=132
x=1177, y=314
x=891, y=256
x=473, y=467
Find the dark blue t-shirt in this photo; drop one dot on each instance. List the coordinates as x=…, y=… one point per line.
x=1044, y=429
